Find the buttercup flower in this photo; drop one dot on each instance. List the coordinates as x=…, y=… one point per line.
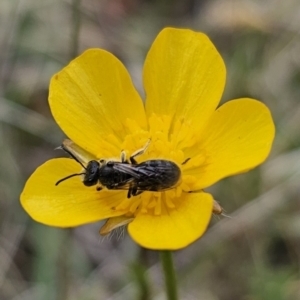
x=95, y=103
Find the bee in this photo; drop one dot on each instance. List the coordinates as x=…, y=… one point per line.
x=151, y=175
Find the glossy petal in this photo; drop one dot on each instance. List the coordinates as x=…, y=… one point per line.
x=237, y=138
x=176, y=228
x=92, y=97
x=70, y=203
x=184, y=76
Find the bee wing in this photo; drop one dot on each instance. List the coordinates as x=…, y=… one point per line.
x=151, y=171
x=138, y=171
x=123, y=186
x=128, y=169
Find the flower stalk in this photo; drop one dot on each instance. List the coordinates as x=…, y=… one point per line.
x=169, y=273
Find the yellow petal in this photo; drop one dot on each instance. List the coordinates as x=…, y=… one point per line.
x=93, y=96
x=237, y=138
x=70, y=203
x=175, y=228
x=184, y=76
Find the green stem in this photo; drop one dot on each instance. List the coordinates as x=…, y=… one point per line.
x=170, y=276
x=75, y=30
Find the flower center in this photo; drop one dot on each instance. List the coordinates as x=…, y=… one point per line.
x=168, y=141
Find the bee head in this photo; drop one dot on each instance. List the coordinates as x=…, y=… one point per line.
x=91, y=175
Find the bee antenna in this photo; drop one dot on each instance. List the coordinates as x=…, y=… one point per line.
x=70, y=176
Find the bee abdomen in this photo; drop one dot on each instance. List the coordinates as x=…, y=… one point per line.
x=159, y=174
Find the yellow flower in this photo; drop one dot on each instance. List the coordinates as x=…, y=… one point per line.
x=95, y=103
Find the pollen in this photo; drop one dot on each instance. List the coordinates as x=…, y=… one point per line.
x=166, y=141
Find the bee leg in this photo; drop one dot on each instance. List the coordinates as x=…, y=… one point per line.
x=139, y=152
x=134, y=190
x=185, y=161
x=123, y=157
x=129, y=193
x=194, y=191
x=137, y=192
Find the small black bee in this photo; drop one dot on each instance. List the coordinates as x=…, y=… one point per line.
x=151, y=175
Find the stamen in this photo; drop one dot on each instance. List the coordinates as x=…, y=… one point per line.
x=144, y=210
x=189, y=179
x=169, y=202
x=134, y=205
x=185, y=187
x=166, y=143
x=160, y=146
x=110, y=147
x=161, y=136
x=177, y=155
x=196, y=161
x=183, y=133
x=146, y=197
x=171, y=193
x=155, y=123
x=178, y=191
x=112, y=139
x=157, y=208
x=123, y=205
x=132, y=125
x=152, y=203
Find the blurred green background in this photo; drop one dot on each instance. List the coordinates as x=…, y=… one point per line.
x=251, y=256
